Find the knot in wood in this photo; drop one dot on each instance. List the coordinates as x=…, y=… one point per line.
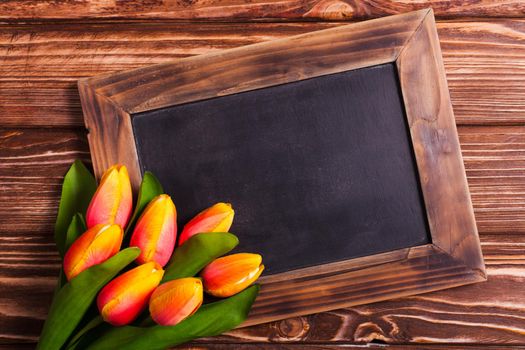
x=293, y=328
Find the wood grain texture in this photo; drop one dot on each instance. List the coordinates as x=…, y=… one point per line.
x=495, y=315
x=256, y=66
x=436, y=147
x=215, y=346
x=39, y=65
x=110, y=135
x=484, y=62
x=346, y=346
x=32, y=167
x=250, y=10
x=491, y=312
x=495, y=176
x=422, y=269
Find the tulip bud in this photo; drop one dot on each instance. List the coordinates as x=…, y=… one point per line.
x=175, y=300
x=94, y=246
x=124, y=298
x=156, y=231
x=217, y=218
x=112, y=202
x=230, y=274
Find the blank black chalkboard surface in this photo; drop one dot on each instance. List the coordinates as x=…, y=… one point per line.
x=338, y=150
x=318, y=170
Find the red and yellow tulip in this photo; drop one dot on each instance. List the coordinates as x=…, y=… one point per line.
x=124, y=298
x=230, y=274
x=156, y=231
x=94, y=246
x=175, y=300
x=112, y=202
x=217, y=218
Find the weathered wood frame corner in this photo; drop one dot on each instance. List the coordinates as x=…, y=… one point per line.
x=409, y=41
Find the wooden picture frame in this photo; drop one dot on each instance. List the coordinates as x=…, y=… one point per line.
x=410, y=42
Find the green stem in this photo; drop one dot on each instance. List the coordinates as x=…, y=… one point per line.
x=91, y=324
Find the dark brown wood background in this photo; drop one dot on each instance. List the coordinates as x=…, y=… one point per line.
x=45, y=46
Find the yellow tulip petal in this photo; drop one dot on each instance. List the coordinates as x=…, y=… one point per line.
x=176, y=300
x=231, y=274
x=122, y=299
x=94, y=246
x=156, y=231
x=112, y=202
x=217, y=218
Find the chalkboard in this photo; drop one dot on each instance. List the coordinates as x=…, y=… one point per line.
x=318, y=170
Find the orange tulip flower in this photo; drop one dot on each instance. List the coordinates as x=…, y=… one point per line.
x=217, y=218
x=230, y=274
x=124, y=298
x=112, y=202
x=175, y=300
x=94, y=246
x=156, y=231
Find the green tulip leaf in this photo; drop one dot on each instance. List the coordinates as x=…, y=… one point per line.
x=150, y=188
x=197, y=252
x=95, y=322
x=210, y=320
x=76, y=228
x=77, y=190
x=73, y=300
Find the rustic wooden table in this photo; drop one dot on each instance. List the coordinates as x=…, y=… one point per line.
x=45, y=46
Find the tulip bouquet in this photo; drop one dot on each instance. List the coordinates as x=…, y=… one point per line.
x=104, y=301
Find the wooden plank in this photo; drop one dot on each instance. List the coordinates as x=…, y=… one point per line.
x=40, y=64
x=495, y=315
x=304, y=56
x=495, y=162
x=32, y=166
x=300, y=346
x=345, y=346
x=485, y=67
x=378, y=346
x=33, y=162
x=436, y=146
x=424, y=269
x=250, y=10
x=490, y=312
